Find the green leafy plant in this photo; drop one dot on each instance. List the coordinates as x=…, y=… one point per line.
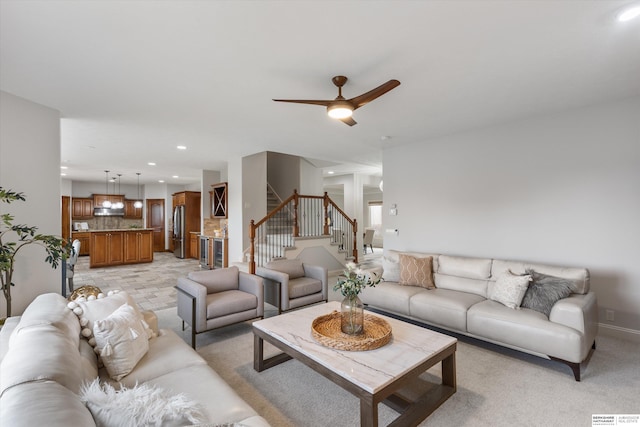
x=23, y=235
x=354, y=280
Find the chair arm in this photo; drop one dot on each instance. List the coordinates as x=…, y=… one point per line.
x=187, y=291
x=280, y=277
x=252, y=284
x=319, y=273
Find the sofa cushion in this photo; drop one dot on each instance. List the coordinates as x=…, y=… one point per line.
x=228, y=302
x=390, y=296
x=167, y=353
x=391, y=263
x=462, y=284
x=201, y=384
x=544, y=291
x=303, y=286
x=40, y=353
x=578, y=277
x=473, y=268
x=217, y=280
x=443, y=307
x=43, y=403
x=292, y=267
x=49, y=309
x=526, y=330
x=121, y=340
x=510, y=288
x=416, y=271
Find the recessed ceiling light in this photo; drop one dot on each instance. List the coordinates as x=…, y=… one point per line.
x=629, y=14
x=175, y=176
x=161, y=180
x=330, y=172
x=151, y=163
x=63, y=174
x=64, y=167
x=181, y=147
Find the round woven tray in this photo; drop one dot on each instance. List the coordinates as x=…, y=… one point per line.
x=326, y=330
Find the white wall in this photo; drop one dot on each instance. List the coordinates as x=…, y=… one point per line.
x=254, y=192
x=561, y=189
x=310, y=179
x=29, y=140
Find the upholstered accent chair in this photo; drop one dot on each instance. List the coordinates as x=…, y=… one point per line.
x=210, y=299
x=368, y=239
x=290, y=283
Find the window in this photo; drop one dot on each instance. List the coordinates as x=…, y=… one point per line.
x=375, y=215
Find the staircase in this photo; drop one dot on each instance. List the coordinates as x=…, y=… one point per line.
x=298, y=226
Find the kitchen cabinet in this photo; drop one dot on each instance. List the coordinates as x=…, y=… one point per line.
x=98, y=199
x=117, y=247
x=85, y=242
x=107, y=248
x=194, y=245
x=218, y=197
x=138, y=246
x=130, y=211
x=81, y=208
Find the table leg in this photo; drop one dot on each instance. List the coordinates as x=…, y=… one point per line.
x=449, y=371
x=258, y=353
x=368, y=412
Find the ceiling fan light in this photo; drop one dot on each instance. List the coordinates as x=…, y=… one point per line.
x=339, y=111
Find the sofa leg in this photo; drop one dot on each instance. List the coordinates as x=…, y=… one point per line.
x=575, y=367
x=193, y=338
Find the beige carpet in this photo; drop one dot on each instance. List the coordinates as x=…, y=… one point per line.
x=496, y=386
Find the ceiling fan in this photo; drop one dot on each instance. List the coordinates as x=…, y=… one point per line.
x=341, y=108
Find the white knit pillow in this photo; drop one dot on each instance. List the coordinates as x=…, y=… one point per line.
x=121, y=341
x=510, y=288
x=142, y=405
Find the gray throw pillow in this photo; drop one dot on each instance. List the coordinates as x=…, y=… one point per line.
x=544, y=291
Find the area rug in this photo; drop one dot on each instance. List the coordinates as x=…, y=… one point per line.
x=496, y=386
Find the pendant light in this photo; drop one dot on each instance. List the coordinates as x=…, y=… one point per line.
x=138, y=203
x=106, y=203
x=118, y=205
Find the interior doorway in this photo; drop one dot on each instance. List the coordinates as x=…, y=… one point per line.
x=155, y=220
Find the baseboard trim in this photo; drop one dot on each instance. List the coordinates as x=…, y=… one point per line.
x=619, y=332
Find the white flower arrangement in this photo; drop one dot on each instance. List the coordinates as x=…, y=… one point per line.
x=355, y=280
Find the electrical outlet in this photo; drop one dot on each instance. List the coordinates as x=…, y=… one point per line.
x=610, y=315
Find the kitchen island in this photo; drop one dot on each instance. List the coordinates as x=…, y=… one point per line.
x=120, y=246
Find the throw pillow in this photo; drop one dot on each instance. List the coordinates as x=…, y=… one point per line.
x=545, y=291
x=416, y=271
x=391, y=269
x=142, y=405
x=89, y=310
x=121, y=341
x=510, y=288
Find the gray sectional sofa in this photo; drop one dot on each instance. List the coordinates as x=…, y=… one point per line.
x=461, y=302
x=45, y=363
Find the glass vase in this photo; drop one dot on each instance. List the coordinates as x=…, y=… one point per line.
x=352, y=319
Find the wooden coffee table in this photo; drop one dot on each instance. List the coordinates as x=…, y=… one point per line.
x=373, y=376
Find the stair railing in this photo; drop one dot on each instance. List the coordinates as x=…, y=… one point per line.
x=300, y=215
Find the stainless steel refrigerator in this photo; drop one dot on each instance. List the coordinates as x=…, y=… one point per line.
x=178, y=231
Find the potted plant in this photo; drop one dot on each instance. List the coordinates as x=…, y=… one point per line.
x=21, y=236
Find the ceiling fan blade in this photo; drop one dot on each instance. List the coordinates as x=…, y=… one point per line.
x=361, y=100
x=349, y=121
x=306, y=101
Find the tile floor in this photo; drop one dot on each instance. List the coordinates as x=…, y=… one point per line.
x=151, y=285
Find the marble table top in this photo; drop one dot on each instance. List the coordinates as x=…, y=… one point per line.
x=371, y=370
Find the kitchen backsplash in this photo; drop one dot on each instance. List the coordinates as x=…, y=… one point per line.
x=111, y=223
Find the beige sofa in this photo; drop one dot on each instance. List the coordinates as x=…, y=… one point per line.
x=45, y=362
x=461, y=302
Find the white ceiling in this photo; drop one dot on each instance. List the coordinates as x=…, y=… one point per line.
x=134, y=79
